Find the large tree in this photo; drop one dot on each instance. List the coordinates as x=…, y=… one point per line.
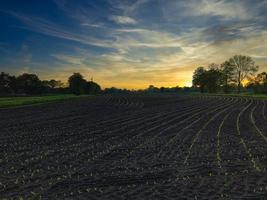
x=213, y=78
x=243, y=68
x=199, y=78
x=77, y=83
x=29, y=84
x=227, y=75
x=92, y=88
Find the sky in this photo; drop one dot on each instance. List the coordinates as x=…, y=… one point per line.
x=129, y=43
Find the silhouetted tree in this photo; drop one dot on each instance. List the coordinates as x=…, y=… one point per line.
x=209, y=80
x=52, y=86
x=259, y=83
x=152, y=89
x=29, y=84
x=162, y=89
x=213, y=79
x=55, y=83
x=213, y=66
x=77, y=83
x=199, y=79
x=227, y=75
x=92, y=88
x=243, y=67
x=114, y=90
x=7, y=83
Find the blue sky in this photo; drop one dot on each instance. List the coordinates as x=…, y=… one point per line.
x=129, y=44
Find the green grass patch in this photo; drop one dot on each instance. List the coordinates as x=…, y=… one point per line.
x=6, y=102
x=259, y=96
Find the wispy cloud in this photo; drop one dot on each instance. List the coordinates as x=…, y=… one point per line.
x=128, y=7
x=49, y=28
x=225, y=9
x=70, y=59
x=92, y=25
x=123, y=19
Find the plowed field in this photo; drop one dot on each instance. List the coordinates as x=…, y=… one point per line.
x=135, y=147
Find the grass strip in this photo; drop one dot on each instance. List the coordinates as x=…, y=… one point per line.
x=8, y=102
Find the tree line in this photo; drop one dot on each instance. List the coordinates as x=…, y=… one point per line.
x=230, y=76
x=30, y=84
x=226, y=77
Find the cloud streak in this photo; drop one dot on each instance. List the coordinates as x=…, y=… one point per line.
x=227, y=10
x=49, y=28
x=123, y=20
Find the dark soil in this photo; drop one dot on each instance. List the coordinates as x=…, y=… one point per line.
x=135, y=147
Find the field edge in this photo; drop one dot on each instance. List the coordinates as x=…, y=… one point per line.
x=15, y=102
